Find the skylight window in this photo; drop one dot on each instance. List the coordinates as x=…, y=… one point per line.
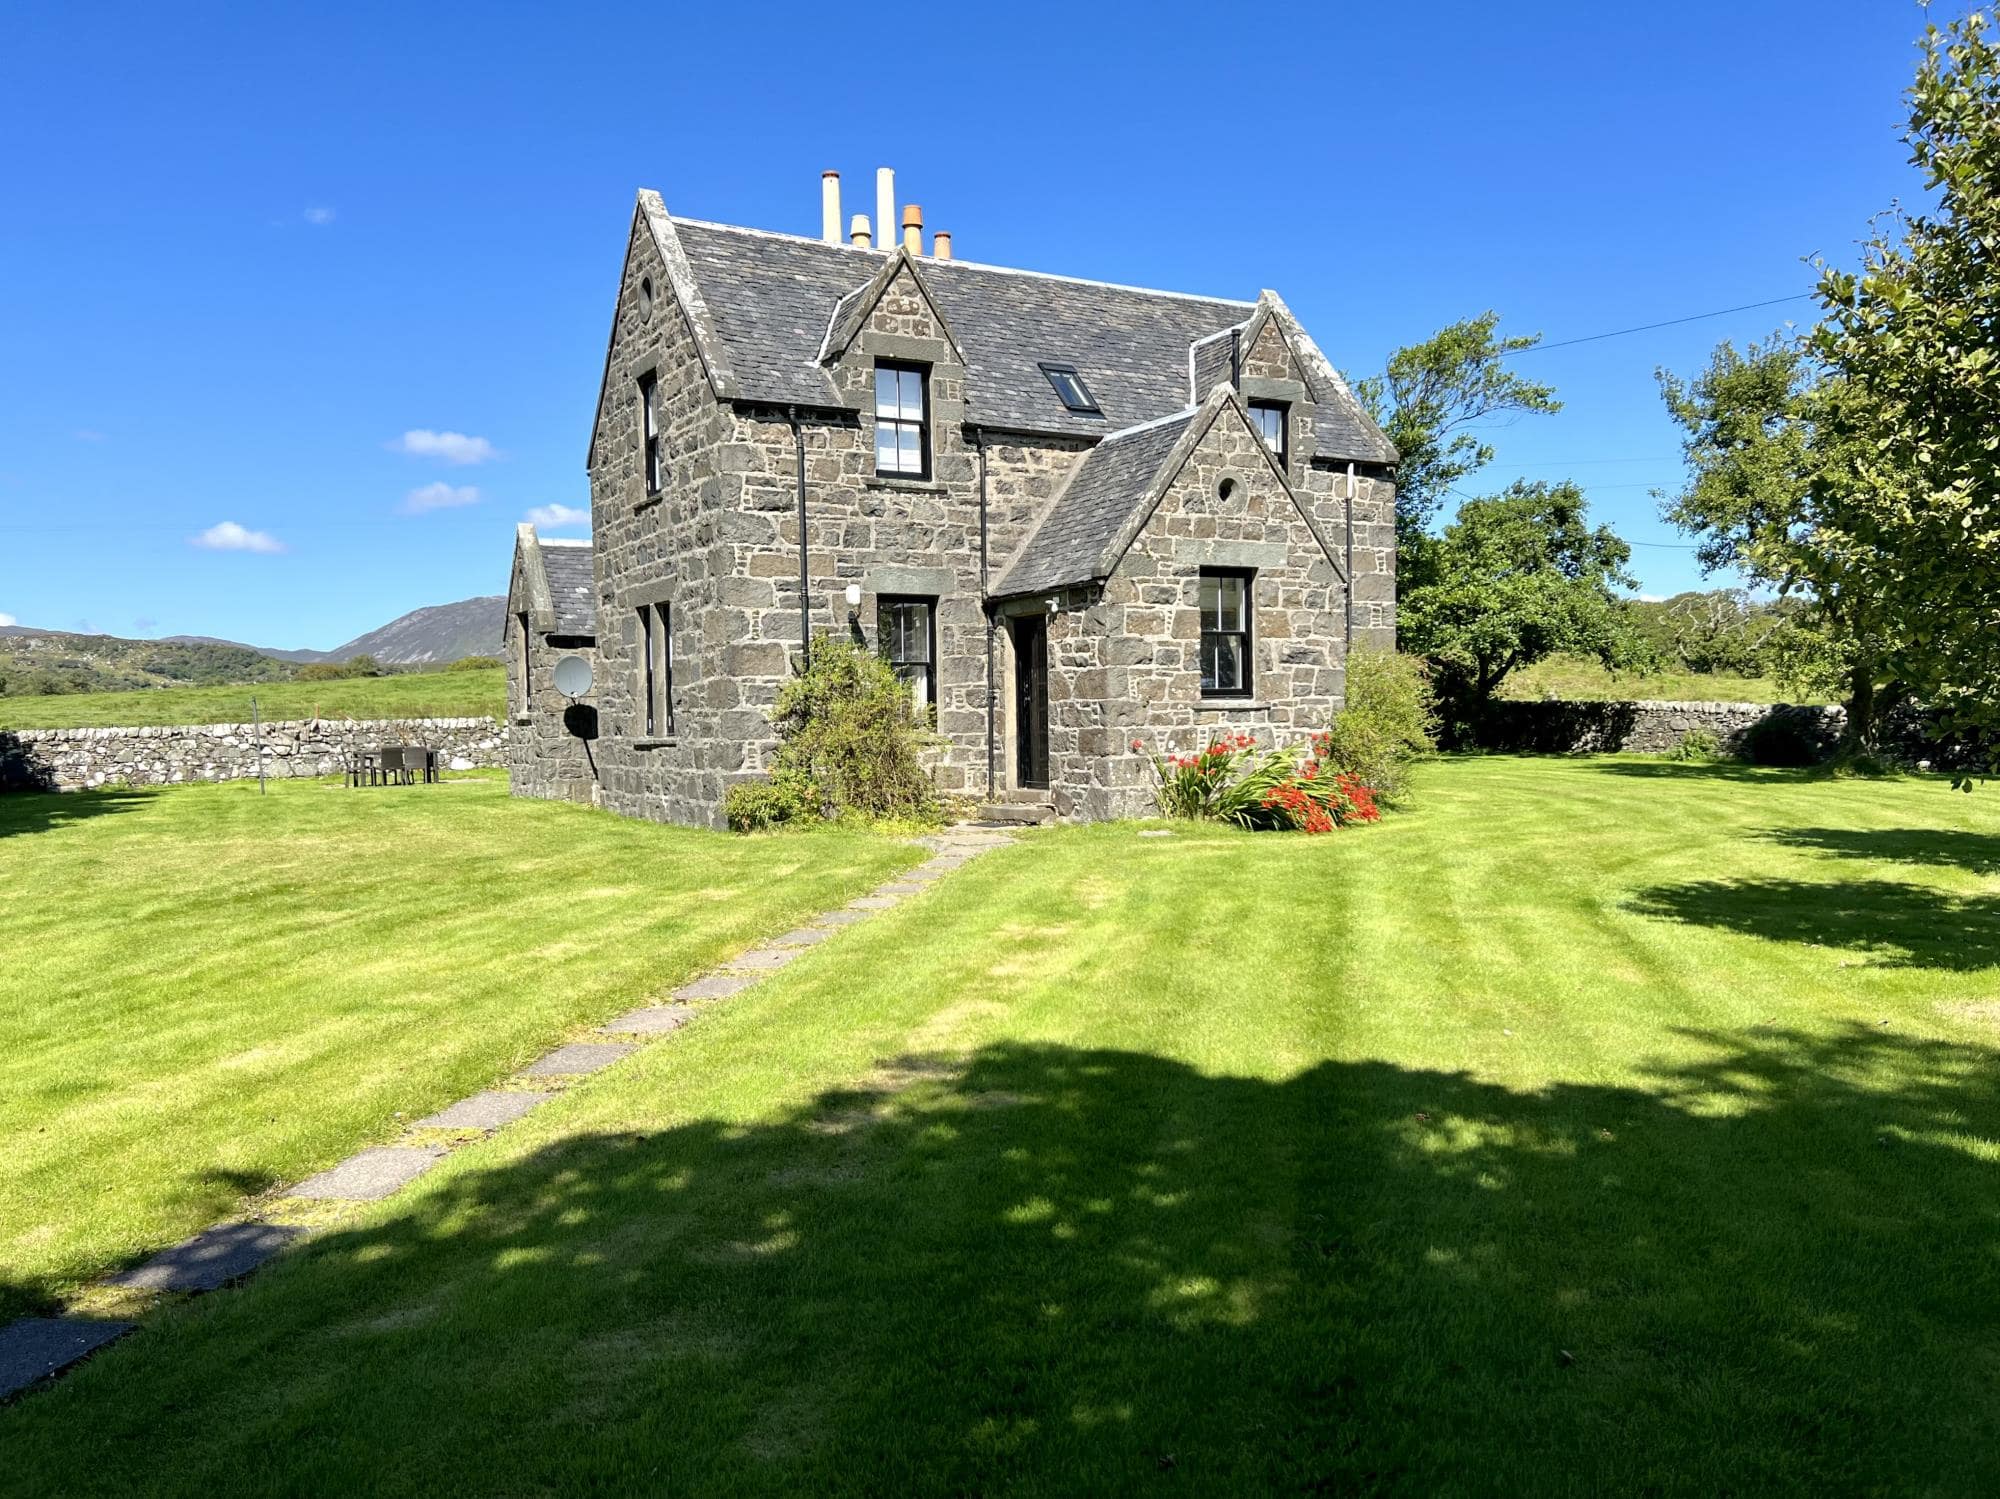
x=1070, y=388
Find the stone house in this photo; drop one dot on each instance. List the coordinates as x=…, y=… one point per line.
x=551, y=613
x=1072, y=514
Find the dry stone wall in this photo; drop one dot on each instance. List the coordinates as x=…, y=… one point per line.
x=1563, y=727
x=78, y=759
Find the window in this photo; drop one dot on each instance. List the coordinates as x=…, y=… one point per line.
x=902, y=432
x=1268, y=417
x=1225, y=634
x=656, y=647
x=1070, y=387
x=525, y=696
x=649, y=426
x=906, y=632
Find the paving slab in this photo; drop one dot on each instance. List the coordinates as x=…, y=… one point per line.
x=803, y=936
x=483, y=1111
x=874, y=902
x=36, y=1347
x=210, y=1260
x=369, y=1174
x=764, y=959
x=840, y=918
x=905, y=886
x=578, y=1058
x=653, y=1020
x=716, y=986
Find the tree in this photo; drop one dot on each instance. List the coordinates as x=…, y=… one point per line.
x=1425, y=399
x=1914, y=338
x=1772, y=491
x=1516, y=578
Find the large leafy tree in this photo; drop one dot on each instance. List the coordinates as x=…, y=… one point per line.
x=1515, y=578
x=1427, y=400
x=1771, y=493
x=1914, y=334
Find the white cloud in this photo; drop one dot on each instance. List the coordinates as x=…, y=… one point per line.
x=319, y=216
x=554, y=516
x=439, y=496
x=7, y=619
x=452, y=447
x=1652, y=598
x=230, y=537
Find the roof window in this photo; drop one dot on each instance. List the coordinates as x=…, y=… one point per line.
x=1071, y=389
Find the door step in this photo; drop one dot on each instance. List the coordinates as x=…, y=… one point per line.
x=1018, y=813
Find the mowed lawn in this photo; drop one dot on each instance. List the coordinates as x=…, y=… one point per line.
x=1599, y=1126
x=205, y=993
x=425, y=694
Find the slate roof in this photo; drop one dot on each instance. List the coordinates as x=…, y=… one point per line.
x=572, y=586
x=775, y=299
x=1070, y=544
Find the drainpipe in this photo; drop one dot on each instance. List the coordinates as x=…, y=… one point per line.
x=1347, y=645
x=805, y=597
x=979, y=442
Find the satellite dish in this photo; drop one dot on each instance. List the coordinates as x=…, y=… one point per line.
x=573, y=676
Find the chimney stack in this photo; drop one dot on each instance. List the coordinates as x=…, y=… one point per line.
x=829, y=207
x=885, y=205
x=913, y=229
x=857, y=233
x=941, y=244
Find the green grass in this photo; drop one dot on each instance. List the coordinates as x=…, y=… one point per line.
x=1590, y=681
x=1597, y=1126
x=204, y=992
x=428, y=694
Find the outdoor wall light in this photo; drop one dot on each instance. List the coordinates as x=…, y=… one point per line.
x=853, y=599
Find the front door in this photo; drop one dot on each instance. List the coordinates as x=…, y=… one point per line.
x=1031, y=701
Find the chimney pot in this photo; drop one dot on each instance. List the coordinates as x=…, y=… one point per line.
x=885, y=205
x=941, y=244
x=913, y=229
x=829, y=207
x=857, y=232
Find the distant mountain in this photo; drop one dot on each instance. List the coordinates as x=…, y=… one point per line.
x=441, y=632
x=42, y=661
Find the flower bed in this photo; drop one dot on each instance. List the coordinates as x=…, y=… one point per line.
x=1232, y=779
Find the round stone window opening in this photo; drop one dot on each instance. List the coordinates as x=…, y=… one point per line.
x=645, y=299
x=1226, y=489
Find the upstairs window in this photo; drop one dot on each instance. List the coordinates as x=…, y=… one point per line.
x=524, y=698
x=656, y=673
x=906, y=631
x=1225, y=634
x=649, y=428
x=1268, y=417
x=1071, y=389
x=902, y=421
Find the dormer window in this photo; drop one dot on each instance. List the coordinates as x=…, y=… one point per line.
x=1268, y=417
x=902, y=421
x=1070, y=388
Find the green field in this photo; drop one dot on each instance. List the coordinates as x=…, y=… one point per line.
x=211, y=992
x=1597, y=1126
x=428, y=694
x=1590, y=681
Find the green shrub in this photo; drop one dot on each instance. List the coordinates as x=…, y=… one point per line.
x=849, y=743
x=1697, y=746
x=1389, y=720
x=322, y=671
x=758, y=806
x=474, y=663
x=1232, y=779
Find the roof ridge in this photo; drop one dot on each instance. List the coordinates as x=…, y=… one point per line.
x=974, y=265
x=565, y=541
x=1159, y=421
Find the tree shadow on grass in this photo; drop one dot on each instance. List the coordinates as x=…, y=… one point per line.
x=1043, y=1269
x=1695, y=770
x=39, y=811
x=1977, y=852
x=1903, y=926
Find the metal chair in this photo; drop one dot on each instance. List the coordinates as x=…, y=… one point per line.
x=395, y=770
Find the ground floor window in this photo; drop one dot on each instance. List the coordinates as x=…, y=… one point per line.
x=656, y=651
x=1225, y=634
x=906, y=633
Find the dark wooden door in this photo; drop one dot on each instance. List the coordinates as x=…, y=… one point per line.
x=1031, y=701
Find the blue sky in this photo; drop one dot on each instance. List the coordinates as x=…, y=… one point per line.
x=245, y=250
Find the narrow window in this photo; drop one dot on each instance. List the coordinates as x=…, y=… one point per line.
x=524, y=701
x=649, y=427
x=906, y=630
x=902, y=421
x=1225, y=634
x=1070, y=388
x=1269, y=419
x=656, y=645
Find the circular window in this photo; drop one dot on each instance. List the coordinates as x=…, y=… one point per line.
x=645, y=298
x=1226, y=489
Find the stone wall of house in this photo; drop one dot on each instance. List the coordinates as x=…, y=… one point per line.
x=551, y=740
x=1128, y=665
x=76, y=759
x=1564, y=727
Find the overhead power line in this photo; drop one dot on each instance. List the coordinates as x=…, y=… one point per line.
x=1672, y=322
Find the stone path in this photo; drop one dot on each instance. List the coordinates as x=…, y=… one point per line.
x=36, y=1348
